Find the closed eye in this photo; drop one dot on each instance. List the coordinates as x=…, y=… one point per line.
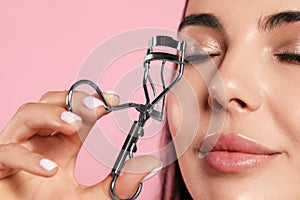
x=292, y=58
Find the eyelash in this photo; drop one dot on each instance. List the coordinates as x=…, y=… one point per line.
x=200, y=57
x=292, y=58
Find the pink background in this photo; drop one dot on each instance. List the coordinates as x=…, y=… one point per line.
x=43, y=44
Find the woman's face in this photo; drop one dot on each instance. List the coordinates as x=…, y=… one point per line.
x=256, y=47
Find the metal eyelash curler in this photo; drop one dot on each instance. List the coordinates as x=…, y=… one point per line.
x=147, y=110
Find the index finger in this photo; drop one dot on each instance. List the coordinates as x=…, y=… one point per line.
x=59, y=97
x=89, y=107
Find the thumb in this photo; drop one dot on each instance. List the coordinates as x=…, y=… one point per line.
x=134, y=172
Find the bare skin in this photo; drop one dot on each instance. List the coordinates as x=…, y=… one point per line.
x=37, y=131
x=259, y=65
x=260, y=68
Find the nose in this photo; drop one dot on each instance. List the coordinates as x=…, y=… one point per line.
x=235, y=86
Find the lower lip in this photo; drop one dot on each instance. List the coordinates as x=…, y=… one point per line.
x=235, y=162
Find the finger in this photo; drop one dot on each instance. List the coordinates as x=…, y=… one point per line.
x=89, y=107
x=136, y=171
x=32, y=117
x=15, y=157
x=7, y=172
x=55, y=97
x=111, y=97
x=59, y=97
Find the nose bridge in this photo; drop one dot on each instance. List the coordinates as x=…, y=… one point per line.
x=239, y=71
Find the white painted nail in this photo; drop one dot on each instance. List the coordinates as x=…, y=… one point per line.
x=114, y=98
x=92, y=102
x=47, y=164
x=69, y=117
x=111, y=92
x=151, y=174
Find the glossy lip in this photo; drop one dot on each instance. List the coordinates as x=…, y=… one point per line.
x=234, y=153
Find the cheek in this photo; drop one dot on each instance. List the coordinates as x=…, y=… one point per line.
x=174, y=113
x=284, y=107
x=187, y=99
x=187, y=111
x=281, y=95
x=182, y=115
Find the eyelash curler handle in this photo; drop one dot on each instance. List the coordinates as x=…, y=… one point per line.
x=128, y=148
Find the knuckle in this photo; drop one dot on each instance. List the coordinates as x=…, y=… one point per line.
x=45, y=97
x=24, y=107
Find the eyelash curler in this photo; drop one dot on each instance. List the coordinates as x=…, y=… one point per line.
x=147, y=110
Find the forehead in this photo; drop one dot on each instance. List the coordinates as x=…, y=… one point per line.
x=240, y=16
x=241, y=10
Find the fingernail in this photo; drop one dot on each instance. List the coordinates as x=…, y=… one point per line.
x=92, y=102
x=114, y=99
x=69, y=117
x=151, y=174
x=112, y=92
x=47, y=164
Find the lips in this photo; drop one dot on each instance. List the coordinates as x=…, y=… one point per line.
x=234, y=153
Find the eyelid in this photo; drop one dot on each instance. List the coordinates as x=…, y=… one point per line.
x=207, y=47
x=203, y=49
x=212, y=46
x=289, y=48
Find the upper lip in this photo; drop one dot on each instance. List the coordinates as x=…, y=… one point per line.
x=234, y=143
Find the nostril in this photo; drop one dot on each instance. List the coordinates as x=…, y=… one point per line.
x=240, y=102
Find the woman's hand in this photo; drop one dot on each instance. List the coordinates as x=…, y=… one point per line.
x=39, y=147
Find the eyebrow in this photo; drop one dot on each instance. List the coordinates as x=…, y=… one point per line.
x=275, y=20
x=203, y=19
